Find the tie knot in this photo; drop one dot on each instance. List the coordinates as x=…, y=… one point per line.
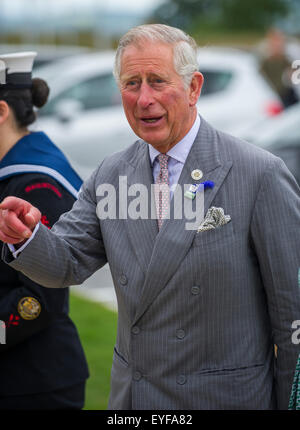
x=163, y=161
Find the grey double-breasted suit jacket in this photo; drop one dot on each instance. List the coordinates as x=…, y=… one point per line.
x=198, y=313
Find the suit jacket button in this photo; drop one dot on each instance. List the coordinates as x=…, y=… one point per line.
x=137, y=376
x=180, y=334
x=195, y=290
x=135, y=330
x=181, y=379
x=123, y=279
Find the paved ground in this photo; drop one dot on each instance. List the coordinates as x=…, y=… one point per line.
x=99, y=288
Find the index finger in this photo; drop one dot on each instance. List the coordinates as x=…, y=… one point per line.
x=14, y=204
x=24, y=210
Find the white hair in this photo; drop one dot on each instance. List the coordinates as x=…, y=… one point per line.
x=184, y=48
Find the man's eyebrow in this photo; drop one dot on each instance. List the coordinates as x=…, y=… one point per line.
x=128, y=77
x=158, y=75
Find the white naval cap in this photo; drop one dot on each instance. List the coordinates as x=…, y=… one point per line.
x=16, y=69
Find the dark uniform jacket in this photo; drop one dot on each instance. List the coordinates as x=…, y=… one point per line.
x=42, y=352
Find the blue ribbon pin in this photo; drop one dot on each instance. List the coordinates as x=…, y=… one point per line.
x=191, y=193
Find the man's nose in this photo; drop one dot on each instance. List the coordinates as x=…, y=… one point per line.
x=146, y=97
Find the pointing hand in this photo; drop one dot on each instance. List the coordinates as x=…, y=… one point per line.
x=18, y=219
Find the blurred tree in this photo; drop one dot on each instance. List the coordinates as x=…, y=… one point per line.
x=252, y=14
x=182, y=13
x=221, y=14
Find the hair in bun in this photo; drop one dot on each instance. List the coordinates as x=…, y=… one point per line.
x=22, y=101
x=40, y=92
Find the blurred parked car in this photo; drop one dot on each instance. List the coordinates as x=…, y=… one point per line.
x=281, y=136
x=84, y=115
x=46, y=53
x=235, y=95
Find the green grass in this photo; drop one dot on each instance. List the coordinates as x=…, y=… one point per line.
x=97, y=327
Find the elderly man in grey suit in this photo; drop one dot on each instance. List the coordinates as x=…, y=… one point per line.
x=199, y=310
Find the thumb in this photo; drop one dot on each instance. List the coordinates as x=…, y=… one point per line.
x=30, y=220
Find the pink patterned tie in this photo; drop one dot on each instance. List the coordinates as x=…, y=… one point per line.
x=162, y=193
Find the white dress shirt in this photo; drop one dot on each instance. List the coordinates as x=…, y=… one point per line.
x=178, y=155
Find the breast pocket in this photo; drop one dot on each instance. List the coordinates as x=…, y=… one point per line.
x=221, y=233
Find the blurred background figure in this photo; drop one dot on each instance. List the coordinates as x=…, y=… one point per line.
x=276, y=66
x=42, y=364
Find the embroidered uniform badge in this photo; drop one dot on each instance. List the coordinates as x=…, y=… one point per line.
x=29, y=308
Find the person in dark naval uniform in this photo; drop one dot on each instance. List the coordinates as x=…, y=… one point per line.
x=42, y=363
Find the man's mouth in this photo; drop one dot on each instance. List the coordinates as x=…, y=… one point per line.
x=151, y=120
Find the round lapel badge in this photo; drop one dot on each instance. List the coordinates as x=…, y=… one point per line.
x=197, y=174
x=29, y=308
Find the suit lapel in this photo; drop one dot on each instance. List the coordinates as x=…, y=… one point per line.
x=142, y=232
x=174, y=240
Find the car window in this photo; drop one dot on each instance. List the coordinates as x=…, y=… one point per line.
x=94, y=93
x=215, y=81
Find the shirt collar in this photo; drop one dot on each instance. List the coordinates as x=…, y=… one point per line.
x=181, y=150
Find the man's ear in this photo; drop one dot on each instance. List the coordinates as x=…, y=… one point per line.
x=195, y=88
x=4, y=111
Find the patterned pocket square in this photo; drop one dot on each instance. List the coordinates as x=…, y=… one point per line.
x=215, y=217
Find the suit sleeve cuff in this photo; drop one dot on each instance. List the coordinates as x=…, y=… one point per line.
x=15, y=252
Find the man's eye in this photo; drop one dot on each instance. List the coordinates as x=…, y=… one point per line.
x=157, y=82
x=131, y=83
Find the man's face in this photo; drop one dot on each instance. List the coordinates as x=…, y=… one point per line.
x=157, y=106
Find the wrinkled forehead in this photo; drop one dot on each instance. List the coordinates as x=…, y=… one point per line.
x=144, y=43
x=145, y=52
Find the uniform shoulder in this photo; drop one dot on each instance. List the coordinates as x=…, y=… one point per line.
x=25, y=183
